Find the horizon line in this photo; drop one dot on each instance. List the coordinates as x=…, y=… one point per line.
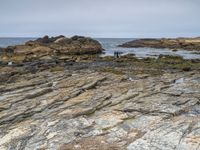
x=104, y=37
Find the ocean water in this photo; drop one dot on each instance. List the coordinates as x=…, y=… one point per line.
x=4, y=42
x=111, y=45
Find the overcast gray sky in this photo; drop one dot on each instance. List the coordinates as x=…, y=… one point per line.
x=100, y=18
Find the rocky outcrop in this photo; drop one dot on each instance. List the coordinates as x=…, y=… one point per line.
x=178, y=43
x=50, y=103
x=50, y=48
x=60, y=105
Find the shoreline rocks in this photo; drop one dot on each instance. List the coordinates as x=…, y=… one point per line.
x=49, y=103
x=176, y=43
x=49, y=48
x=77, y=106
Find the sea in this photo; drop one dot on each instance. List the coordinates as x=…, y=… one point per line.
x=110, y=46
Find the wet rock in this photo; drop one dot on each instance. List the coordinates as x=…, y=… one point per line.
x=174, y=50
x=186, y=69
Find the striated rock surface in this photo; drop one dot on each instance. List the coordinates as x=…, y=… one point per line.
x=70, y=106
x=50, y=48
x=65, y=101
x=178, y=43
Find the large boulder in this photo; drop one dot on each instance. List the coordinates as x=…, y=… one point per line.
x=77, y=45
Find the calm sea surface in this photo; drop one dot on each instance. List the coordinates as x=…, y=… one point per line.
x=110, y=45
x=4, y=42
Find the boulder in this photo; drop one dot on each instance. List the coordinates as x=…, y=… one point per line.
x=46, y=39
x=63, y=40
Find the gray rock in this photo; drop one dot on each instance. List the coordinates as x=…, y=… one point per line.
x=87, y=109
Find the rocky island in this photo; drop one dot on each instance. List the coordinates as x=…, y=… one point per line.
x=176, y=43
x=50, y=48
x=59, y=94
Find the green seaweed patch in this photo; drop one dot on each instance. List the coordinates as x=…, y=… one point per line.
x=57, y=69
x=170, y=59
x=158, y=65
x=116, y=71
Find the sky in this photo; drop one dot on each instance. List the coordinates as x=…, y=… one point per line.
x=100, y=18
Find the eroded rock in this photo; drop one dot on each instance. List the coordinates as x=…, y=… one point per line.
x=83, y=109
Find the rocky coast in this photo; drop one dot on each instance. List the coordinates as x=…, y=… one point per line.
x=176, y=43
x=59, y=94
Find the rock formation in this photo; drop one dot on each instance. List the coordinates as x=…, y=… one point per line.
x=49, y=48
x=74, y=108
x=178, y=43
x=100, y=104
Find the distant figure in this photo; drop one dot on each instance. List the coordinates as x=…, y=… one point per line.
x=117, y=54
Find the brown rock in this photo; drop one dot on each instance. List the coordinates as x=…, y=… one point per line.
x=55, y=46
x=177, y=43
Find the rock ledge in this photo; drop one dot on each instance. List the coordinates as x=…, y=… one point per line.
x=177, y=43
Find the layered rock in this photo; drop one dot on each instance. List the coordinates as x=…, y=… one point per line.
x=62, y=106
x=178, y=43
x=106, y=104
x=49, y=48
